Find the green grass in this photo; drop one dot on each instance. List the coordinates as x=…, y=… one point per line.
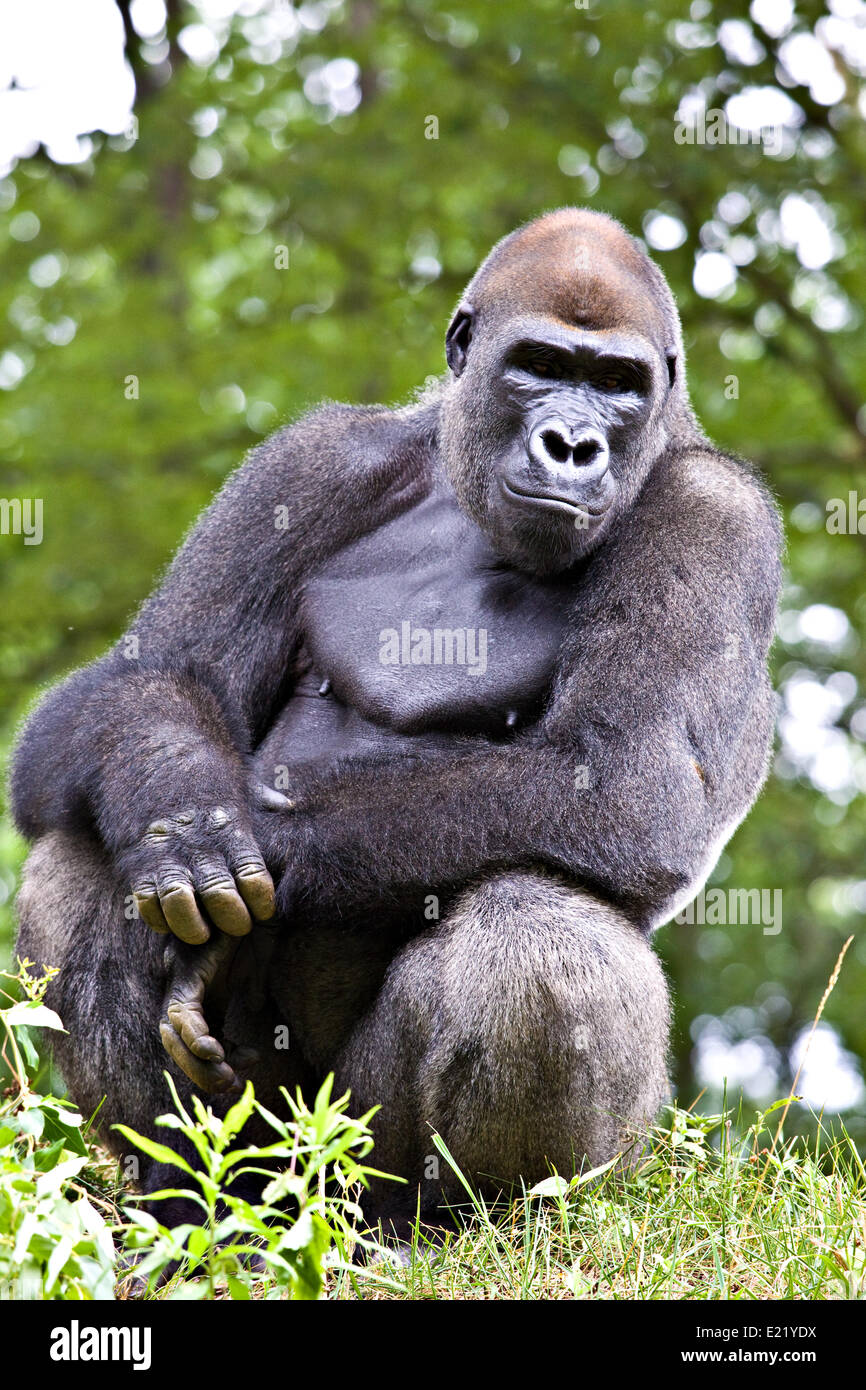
x=711, y=1211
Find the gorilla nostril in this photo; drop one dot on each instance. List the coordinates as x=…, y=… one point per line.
x=585, y=450
x=558, y=448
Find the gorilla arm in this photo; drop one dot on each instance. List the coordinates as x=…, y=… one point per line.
x=147, y=747
x=652, y=748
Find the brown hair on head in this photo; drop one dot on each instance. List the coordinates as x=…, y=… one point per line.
x=582, y=268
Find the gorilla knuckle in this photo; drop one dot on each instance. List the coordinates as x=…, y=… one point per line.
x=250, y=866
x=157, y=831
x=220, y=818
x=175, y=884
x=212, y=877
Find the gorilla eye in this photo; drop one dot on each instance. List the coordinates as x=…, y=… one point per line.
x=612, y=381
x=546, y=366
x=620, y=377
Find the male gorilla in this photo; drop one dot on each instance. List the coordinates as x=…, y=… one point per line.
x=504, y=649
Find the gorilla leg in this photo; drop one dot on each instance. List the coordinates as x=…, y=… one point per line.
x=109, y=994
x=110, y=987
x=529, y=1029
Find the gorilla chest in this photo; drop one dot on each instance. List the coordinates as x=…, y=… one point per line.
x=420, y=628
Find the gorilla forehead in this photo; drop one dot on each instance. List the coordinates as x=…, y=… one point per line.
x=580, y=268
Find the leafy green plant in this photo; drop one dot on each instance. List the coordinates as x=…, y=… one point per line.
x=54, y=1242
x=237, y=1241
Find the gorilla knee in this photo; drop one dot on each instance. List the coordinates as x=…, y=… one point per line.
x=542, y=1020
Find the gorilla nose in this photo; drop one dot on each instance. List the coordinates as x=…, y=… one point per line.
x=553, y=443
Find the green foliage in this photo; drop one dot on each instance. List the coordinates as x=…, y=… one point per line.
x=322, y=1148
x=54, y=1242
x=56, y=1233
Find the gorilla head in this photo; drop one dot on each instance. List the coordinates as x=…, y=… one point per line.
x=567, y=386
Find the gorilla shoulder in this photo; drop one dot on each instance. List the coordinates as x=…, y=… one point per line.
x=725, y=493
x=358, y=439
x=330, y=475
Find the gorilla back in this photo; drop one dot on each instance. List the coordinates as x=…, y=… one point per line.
x=438, y=712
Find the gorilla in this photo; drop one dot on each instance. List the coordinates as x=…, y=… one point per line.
x=438, y=712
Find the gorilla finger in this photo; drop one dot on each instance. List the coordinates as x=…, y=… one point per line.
x=190, y=969
x=218, y=953
x=190, y=1023
x=149, y=910
x=182, y=914
x=269, y=799
x=225, y=908
x=214, y=1077
x=256, y=887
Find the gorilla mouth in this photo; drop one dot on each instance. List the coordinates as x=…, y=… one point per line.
x=552, y=501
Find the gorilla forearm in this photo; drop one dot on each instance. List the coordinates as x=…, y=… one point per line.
x=51, y=788
x=142, y=732
x=152, y=762
x=171, y=744
x=633, y=825
x=115, y=746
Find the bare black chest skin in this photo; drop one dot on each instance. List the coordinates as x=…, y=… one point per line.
x=415, y=635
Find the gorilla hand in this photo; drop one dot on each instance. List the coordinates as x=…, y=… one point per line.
x=193, y=868
x=183, y=1028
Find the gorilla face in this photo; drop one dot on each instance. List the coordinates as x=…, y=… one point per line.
x=556, y=415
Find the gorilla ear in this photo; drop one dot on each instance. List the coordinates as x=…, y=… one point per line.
x=671, y=359
x=458, y=338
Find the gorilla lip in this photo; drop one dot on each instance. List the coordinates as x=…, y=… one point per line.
x=551, y=501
